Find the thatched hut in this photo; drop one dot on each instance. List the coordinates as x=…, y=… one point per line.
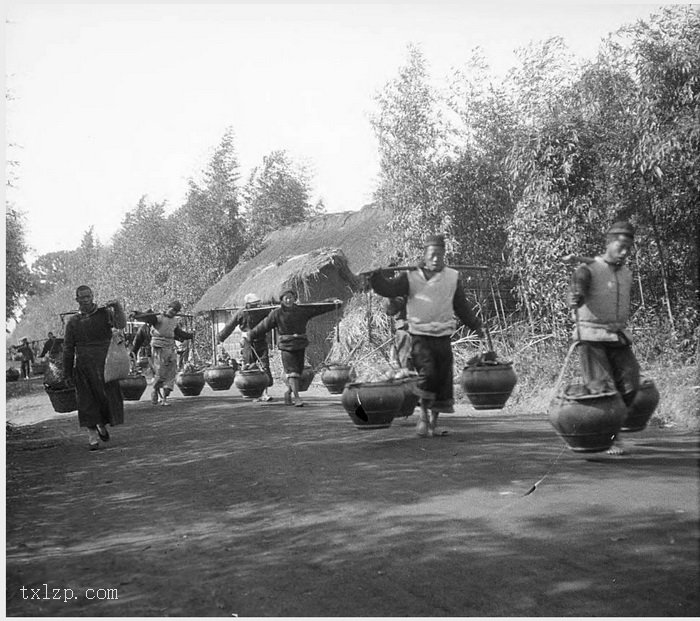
x=320, y=258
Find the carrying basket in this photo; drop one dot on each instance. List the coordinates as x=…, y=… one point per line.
x=62, y=399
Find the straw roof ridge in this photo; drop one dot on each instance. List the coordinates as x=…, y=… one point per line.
x=297, y=271
x=349, y=242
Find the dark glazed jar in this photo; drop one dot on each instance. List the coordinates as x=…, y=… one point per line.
x=220, y=377
x=133, y=386
x=251, y=382
x=373, y=405
x=488, y=386
x=588, y=423
x=642, y=407
x=190, y=384
x=307, y=376
x=335, y=376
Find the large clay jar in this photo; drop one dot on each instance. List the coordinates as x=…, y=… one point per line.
x=63, y=400
x=251, y=382
x=133, y=386
x=11, y=374
x=190, y=384
x=642, y=407
x=373, y=405
x=488, y=386
x=307, y=376
x=220, y=377
x=588, y=423
x=335, y=376
x=410, y=398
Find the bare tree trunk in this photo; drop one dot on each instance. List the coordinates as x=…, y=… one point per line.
x=662, y=260
x=526, y=299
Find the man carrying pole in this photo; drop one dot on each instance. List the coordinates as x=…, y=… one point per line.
x=434, y=296
x=600, y=294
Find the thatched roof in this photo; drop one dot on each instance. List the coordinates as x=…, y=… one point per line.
x=329, y=247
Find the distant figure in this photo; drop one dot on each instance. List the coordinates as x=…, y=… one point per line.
x=401, y=346
x=25, y=350
x=87, y=339
x=53, y=347
x=257, y=351
x=290, y=319
x=165, y=329
x=142, y=342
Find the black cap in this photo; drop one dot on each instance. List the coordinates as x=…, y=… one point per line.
x=435, y=240
x=622, y=228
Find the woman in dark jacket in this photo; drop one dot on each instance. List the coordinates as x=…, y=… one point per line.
x=290, y=319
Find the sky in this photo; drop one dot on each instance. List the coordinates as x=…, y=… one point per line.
x=111, y=102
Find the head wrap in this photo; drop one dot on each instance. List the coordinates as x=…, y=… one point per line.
x=251, y=298
x=622, y=228
x=435, y=240
x=286, y=291
x=175, y=305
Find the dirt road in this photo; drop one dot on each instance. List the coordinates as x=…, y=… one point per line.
x=217, y=506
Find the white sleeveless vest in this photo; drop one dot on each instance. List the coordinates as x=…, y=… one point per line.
x=429, y=309
x=163, y=333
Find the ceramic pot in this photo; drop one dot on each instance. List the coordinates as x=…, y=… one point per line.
x=588, y=423
x=488, y=386
x=251, y=382
x=190, y=384
x=642, y=407
x=220, y=377
x=133, y=387
x=372, y=405
x=335, y=376
x=62, y=399
x=307, y=376
x=11, y=374
x=410, y=398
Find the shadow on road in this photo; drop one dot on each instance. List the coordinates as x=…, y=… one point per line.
x=218, y=506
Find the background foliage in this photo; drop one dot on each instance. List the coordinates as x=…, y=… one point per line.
x=517, y=170
x=523, y=170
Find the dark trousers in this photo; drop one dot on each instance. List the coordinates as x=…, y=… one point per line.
x=432, y=358
x=25, y=368
x=293, y=362
x=257, y=352
x=611, y=363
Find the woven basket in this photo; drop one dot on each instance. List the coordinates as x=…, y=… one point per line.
x=63, y=400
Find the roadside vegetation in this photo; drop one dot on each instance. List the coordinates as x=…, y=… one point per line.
x=517, y=170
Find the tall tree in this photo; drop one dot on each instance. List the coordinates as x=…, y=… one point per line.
x=17, y=278
x=658, y=163
x=140, y=265
x=482, y=195
x=276, y=195
x=209, y=223
x=411, y=147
